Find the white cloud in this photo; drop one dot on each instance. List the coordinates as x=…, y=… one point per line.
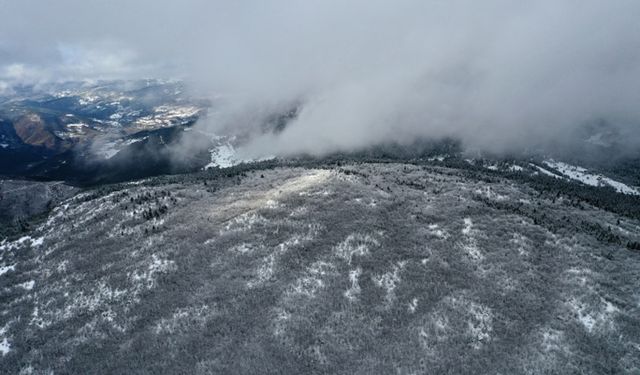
x=499, y=74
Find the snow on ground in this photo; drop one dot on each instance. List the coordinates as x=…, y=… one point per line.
x=312, y=281
x=21, y=242
x=439, y=158
x=591, y=316
x=222, y=156
x=77, y=125
x=184, y=319
x=355, y=245
x=515, y=168
x=5, y=347
x=468, y=224
x=582, y=175
x=325, y=293
x=108, y=150
x=435, y=230
x=354, y=290
x=545, y=171
x=470, y=244
x=413, y=305
x=390, y=280
x=37, y=241
x=28, y=285
x=5, y=269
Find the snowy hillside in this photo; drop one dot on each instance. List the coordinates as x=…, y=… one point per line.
x=366, y=268
x=584, y=176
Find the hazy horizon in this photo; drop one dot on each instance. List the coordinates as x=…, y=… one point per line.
x=497, y=75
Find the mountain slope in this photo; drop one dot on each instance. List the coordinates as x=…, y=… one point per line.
x=367, y=268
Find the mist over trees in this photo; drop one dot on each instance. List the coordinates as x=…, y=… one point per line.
x=499, y=76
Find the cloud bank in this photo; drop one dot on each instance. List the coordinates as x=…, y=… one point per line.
x=500, y=75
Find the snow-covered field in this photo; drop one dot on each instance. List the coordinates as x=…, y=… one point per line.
x=224, y=154
x=584, y=176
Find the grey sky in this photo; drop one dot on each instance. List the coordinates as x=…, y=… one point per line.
x=501, y=75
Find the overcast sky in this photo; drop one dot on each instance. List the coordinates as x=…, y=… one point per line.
x=501, y=75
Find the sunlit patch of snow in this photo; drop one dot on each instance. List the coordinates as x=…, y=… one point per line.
x=242, y=248
x=468, y=224
x=354, y=290
x=545, y=171
x=59, y=213
x=244, y=222
x=470, y=245
x=488, y=193
x=77, y=125
x=439, y=158
x=434, y=230
x=98, y=296
x=147, y=277
x=264, y=272
x=592, y=316
x=515, y=168
x=312, y=281
x=20, y=242
x=324, y=193
x=473, y=251
x=37, y=320
x=266, y=269
x=166, y=116
x=223, y=156
x=413, y=305
x=521, y=242
x=5, y=269
x=582, y=175
x=131, y=141
x=299, y=211
x=355, y=245
x=5, y=346
x=107, y=150
x=37, y=242
x=101, y=294
x=272, y=204
x=28, y=285
x=389, y=281
x=480, y=325
x=302, y=184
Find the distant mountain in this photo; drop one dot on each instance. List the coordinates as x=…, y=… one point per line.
x=62, y=130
